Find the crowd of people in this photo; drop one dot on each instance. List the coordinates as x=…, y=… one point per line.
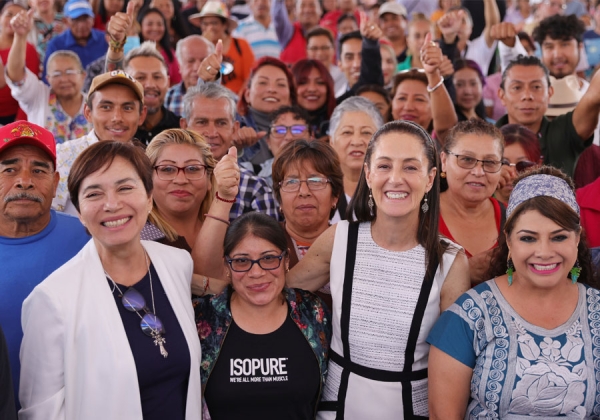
x=273, y=209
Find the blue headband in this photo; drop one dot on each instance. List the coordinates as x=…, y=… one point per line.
x=541, y=185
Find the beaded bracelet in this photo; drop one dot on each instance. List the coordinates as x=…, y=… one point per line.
x=223, y=199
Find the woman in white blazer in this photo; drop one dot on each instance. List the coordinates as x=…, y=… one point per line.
x=111, y=334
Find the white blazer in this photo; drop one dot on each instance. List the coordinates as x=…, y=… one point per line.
x=76, y=362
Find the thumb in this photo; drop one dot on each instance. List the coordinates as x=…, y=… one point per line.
x=233, y=152
x=130, y=8
x=31, y=12
x=261, y=134
x=427, y=40
x=363, y=18
x=219, y=50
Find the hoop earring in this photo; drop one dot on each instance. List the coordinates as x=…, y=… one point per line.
x=371, y=203
x=510, y=270
x=425, y=206
x=575, y=272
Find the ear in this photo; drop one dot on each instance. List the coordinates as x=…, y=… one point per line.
x=55, y=181
x=183, y=123
x=501, y=96
x=87, y=112
x=443, y=158
x=142, y=116
x=431, y=177
x=367, y=175
x=550, y=91
x=247, y=94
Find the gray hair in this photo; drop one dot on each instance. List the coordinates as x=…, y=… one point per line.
x=212, y=91
x=354, y=104
x=178, y=48
x=146, y=49
x=65, y=54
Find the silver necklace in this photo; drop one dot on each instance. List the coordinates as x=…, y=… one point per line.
x=159, y=340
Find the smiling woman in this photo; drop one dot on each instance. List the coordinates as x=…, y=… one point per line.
x=140, y=292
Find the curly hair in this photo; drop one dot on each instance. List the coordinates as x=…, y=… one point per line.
x=564, y=28
x=555, y=210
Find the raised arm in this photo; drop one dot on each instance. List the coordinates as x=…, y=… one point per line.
x=585, y=115
x=21, y=24
x=207, y=252
x=283, y=27
x=371, y=53
x=510, y=46
x=117, y=29
x=312, y=272
x=442, y=109
x=491, y=14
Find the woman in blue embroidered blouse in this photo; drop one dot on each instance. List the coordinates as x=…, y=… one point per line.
x=526, y=343
x=264, y=345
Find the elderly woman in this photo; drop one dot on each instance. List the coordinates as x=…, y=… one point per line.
x=111, y=333
x=265, y=346
x=352, y=125
x=471, y=164
x=524, y=344
x=270, y=87
x=521, y=153
x=315, y=93
x=183, y=181
x=390, y=275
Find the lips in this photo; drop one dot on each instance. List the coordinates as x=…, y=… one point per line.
x=476, y=184
x=115, y=223
x=180, y=193
x=356, y=154
x=396, y=195
x=544, y=269
x=409, y=117
x=259, y=287
x=270, y=99
x=305, y=207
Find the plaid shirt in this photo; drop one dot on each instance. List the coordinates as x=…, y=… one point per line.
x=254, y=195
x=174, y=99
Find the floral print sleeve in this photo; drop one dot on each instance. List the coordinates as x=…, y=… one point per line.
x=520, y=369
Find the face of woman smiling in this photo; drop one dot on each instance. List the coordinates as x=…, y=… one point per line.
x=468, y=88
x=542, y=251
x=257, y=287
x=180, y=196
x=114, y=205
x=312, y=91
x=351, y=138
x=411, y=103
x=269, y=89
x=153, y=27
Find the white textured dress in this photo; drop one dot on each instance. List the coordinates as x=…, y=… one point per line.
x=378, y=364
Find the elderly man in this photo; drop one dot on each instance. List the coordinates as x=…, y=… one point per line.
x=58, y=107
x=190, y=52
x=210, y=110
x=34, y=240
x=525, y=91
x=292, y=36
x=115, y=107
x=81, y=38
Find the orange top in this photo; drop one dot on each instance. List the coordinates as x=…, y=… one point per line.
x=240, y=55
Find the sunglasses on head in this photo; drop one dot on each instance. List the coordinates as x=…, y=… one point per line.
x=519, y=166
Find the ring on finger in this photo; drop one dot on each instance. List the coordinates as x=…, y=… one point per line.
x=372, y=27
x=208, y=68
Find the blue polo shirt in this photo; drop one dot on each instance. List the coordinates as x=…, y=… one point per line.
x=96, y=47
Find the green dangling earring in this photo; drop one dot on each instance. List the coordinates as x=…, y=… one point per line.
x=510, y=270
x=575, y=272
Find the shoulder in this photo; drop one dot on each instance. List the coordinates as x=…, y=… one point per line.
x=169, y=254
x=309, y=306
x=69, y=224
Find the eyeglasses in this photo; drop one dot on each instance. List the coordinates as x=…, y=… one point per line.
x=519, y=166
x=282, y=130
x=170, y=172
x=323, y=48
x=269, y=262
x=133, y=301
x=68, y=73
x=313, y=183
x=469, y=162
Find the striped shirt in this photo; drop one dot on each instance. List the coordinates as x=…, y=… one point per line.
x=263, y=41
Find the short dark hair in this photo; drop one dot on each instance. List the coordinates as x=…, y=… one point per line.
x=320, y=31
x=322, y=156
x=381, y=91
x=528, y=61
x=348, y=37
x=256, y=224
x=563, y=28
x=297, y=112
x=102, y=154
x=555, y=210
x=346, y=16
x=473, y=126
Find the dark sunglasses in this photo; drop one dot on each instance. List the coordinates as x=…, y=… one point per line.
x=134, y=301
x=519, y=166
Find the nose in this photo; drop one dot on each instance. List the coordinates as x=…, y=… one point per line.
x=117, y=114
x=478, y=169
x=356, y=63
x=396, y=175
x=544, y=248
x=210, y=130
x=256, y=270
x=24, y=180
x=112, y=201
x=304, y=190
x=180, y=178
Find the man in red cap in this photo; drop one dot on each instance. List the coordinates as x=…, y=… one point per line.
x=34, y=240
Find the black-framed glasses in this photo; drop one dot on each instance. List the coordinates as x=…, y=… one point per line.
x=314, y=183
x=519, y=166
x=170, y=172
x=133, y=301
x=268, y=262
x=469, y=162
x=282, y=130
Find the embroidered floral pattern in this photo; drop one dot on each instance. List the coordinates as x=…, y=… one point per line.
x=62, y=125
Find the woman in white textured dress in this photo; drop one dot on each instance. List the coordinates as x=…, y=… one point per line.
x=390, y=275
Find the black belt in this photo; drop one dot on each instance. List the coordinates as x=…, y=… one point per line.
x=377, y=374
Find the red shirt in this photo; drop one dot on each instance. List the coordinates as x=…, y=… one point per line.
x=295, y=50
x=9, y=106
x=497, y=215
x=330, y=19
x=588, y=198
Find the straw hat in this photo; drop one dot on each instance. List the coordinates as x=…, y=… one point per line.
x=567, y=94
x=216, y=9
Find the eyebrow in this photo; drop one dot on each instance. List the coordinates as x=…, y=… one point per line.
x=408, y=159
x=535, y=233
x=119, y=182
x=10, y=161
x=185, y=161
x=34, y=163
x=245, y=255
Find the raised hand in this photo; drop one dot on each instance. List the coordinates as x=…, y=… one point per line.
x=120, y=24
x=446, y=67
x=246, y=137
x=22, y=22
x=450, y=23
x=431, y=55
x=211, y=66
x=227, y=175
x=369, y=27
x=504, y=32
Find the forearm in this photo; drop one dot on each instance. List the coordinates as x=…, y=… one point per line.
x=585, y=115
x=212, y=286
x=207, y=252
x=508, y=54
x=283, y=27
x=491, y=15
x=442, y=109
x=369, y=74
x=15, y=65
x=114, y=61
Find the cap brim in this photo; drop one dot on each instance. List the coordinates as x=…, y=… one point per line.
x=31, y=142
x=78, y=13
x=121, y=81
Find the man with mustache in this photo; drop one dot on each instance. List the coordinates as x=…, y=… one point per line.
x=34, y=240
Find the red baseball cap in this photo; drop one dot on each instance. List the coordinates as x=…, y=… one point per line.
x=24, y=132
